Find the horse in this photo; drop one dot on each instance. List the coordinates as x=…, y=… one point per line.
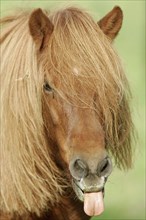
x=65, y=113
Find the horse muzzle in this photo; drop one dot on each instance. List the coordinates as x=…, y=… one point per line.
x=89, y=185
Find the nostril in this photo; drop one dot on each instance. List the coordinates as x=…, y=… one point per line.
x=78, y=169
x=79, y=164
x=104, y=167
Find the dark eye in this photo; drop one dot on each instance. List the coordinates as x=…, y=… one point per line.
x=47, y=87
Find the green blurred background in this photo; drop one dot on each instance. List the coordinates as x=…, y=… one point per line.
x=125, y=192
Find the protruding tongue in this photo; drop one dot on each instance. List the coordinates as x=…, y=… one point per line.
x=93, y=203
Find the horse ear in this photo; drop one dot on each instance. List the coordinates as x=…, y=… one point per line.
x=112, y=22
x=40, y=28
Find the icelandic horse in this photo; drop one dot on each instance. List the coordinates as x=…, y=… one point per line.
x=64, y=113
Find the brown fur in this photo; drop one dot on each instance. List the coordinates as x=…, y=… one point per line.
x=112, y=22
x=36, y=129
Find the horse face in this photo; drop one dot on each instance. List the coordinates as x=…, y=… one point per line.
x=80, y=138
x=77, y=132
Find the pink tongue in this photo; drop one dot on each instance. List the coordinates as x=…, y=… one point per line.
x=93, y=203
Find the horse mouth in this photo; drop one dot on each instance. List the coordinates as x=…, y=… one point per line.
x=92, y=197
x=80, y=192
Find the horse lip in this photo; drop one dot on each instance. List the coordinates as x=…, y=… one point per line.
x=89, y=189
x=75, y=183
x=92, y=189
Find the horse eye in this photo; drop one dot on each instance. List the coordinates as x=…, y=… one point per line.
x=47, y=87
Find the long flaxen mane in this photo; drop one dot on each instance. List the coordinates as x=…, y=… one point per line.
x=28, y=171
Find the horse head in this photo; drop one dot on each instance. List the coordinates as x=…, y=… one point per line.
x=76, y=129
x=65, y=109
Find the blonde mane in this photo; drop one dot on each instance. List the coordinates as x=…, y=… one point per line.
x=29, y=176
